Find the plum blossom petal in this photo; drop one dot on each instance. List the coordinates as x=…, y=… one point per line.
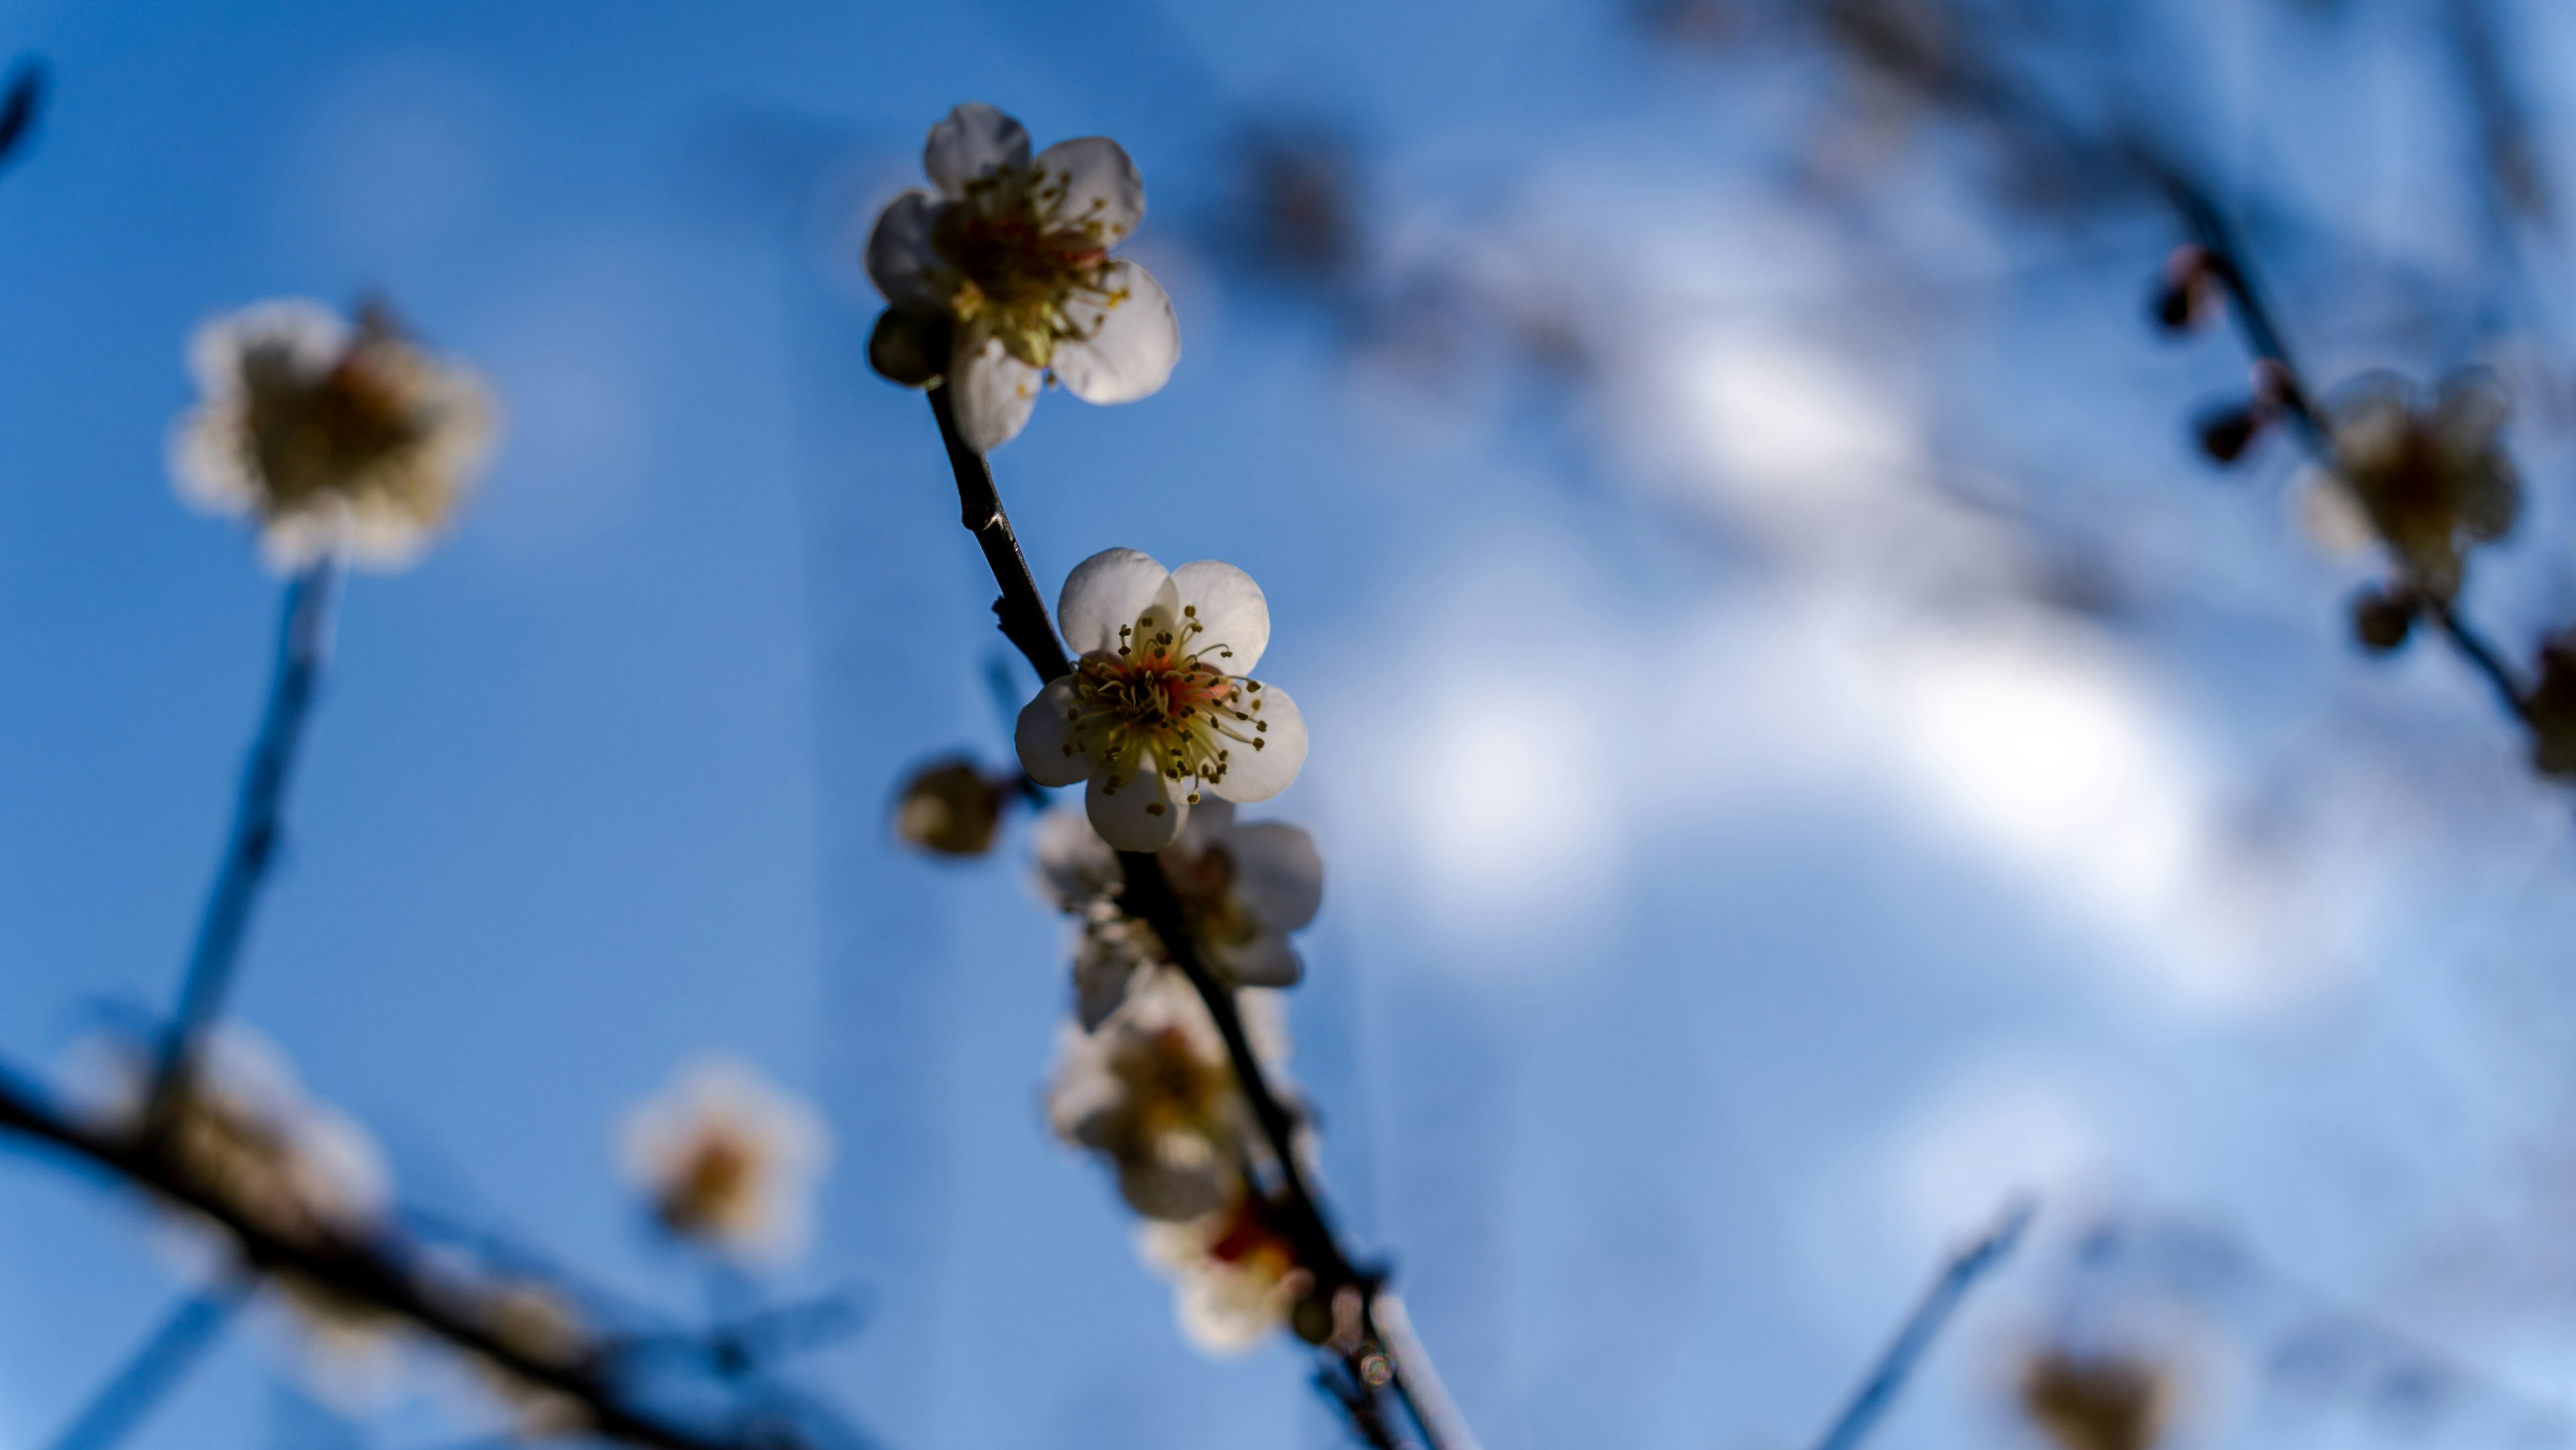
x=900, y=258
x=1109, y=592
x=1089, y=187
x=1278, y=873
x=1142, y=812
x=1125, y=340
x=1265, y=961
x=994, y=391
x=1233, y=616
x=973, y=141
x=1257, y=774
x=1075, y=868
x=1049, y=747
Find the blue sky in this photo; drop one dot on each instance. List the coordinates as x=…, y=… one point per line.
x=1740, y=883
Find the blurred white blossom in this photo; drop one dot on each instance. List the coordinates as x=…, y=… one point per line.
x=1235, y=1276
x=1159, y=706
x=1242, y=887
x=1151, y=1091
x=241, y=1130
x=341, y=440
x=728, y=1159
x=1000, y=279
x=2430, y=477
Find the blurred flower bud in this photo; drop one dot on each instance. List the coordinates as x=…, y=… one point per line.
x=2095, y=1403
x=2382, y=618
x=950, y=807
x=909, y=347
x=2187, y=290
x=1312, y=1319
x=2551, y=709
x=2226, y=433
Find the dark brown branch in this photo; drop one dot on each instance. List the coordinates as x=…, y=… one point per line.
x=1021, y=609
x=1304, y=1218
x=376, y=1275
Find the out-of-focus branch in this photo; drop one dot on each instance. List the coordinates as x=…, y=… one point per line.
x=1862, y=1412
x=1369, y=1366
x=304, y=642
x=20, y=108
x=380, y=1275
x=2290, y=388
x=155, y=1369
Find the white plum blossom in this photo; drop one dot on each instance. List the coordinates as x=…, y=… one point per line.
x=728, y=1159
x=1241, y=886
x=342, y=440
x=1152, y=1091
x=999, y=279
x=1160, y=705
x=1235, y=1276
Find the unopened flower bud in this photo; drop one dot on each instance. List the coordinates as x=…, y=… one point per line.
x=2551, y=709
x=951, y=807
x=2382, y=618
x=1312, y=1319
x=2226, y=433
x=2186, y=292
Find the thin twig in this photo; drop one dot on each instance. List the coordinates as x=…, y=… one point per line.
x=303, y=644
x=2289, y=386
x=382, y=1275
x=20, y=108
x=154, y=1370
x=1867, y=1404
x=1306, y=1222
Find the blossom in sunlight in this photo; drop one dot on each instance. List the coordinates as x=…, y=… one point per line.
x=999, y=279
x=728, y=1160
x=1152, y=1091
x=2095, y=1403
x=1160, y=707
x=2431, y=478
x=1242, y=887
x=1235, y=1276
x=952, y=807
x=341, y=439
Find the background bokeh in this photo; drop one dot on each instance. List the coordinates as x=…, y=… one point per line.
x=1804, y=748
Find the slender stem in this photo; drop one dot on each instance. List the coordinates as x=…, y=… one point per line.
x=1021, y=609
x=382, y=1274
x=303, y=644
x=2483, y=657
x=2264, y=339
x=1869, y=1403
x=155, y=1369
x=1306, y=1222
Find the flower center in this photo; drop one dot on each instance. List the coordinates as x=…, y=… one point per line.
x=1160, y=703
x=322, y=435
x=1017, y=272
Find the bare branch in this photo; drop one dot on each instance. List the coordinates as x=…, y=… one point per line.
x=303, y=644
x=1869, y=1403
x=383, y=1275
x=155, y=1369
